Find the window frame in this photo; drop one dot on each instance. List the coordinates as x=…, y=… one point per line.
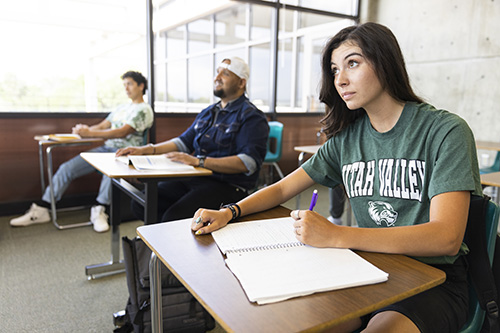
x=275, y=38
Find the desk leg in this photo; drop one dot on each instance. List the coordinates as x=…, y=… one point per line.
x=116, y=265
x=151, y=202
x=40, y=158
x=155, y=292
x=50, y=173
x=301, y=160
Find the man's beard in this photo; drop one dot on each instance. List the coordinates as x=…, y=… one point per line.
x=219, y=93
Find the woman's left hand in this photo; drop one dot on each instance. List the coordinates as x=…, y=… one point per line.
x=207, y=220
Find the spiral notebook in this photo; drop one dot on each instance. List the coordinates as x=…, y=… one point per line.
x=272, y=266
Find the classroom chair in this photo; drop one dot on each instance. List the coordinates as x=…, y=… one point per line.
x=274, y=147
x=493, y=168
x=476, y=314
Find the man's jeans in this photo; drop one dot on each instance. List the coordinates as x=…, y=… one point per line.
x=75, y=168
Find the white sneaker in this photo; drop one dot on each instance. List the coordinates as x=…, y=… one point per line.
x=99, y=218
x=35, y=214
x=335, y=220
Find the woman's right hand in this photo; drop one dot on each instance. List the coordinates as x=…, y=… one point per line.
x=207, y=220
x=129, y=151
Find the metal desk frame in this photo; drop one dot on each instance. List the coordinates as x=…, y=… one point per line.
x=51, y=145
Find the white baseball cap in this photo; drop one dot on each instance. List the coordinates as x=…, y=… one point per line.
x=238, y=66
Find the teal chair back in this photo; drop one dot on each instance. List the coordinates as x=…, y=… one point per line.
x=494, y=168
x=276, y=134
x=476, y=314
x=145, y=137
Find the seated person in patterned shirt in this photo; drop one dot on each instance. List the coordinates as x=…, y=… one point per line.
x=123, y=127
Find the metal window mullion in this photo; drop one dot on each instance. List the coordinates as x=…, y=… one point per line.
x=293, y=83
x=212, y=42
x=248, y=23
x=186, y=70
x=150, y=64
x=274, y=61
x=277, y=4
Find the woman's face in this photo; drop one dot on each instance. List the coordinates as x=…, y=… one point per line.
x=354, y=77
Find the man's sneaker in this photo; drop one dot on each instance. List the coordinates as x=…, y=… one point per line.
x=35, y=214
x=335, y=220
x=99, y=218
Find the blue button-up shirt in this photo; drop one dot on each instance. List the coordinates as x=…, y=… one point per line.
x=239, y=129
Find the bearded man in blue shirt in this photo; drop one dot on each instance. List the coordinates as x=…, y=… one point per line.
x=228, y=137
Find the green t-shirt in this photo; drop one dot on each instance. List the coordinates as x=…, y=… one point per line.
x=137, y=115
x=391, y=177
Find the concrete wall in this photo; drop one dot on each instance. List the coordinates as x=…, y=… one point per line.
x=452, y=51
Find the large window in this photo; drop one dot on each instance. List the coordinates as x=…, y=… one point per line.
x=68, y=55
x=197, y=36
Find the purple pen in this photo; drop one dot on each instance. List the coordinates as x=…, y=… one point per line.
x=313, y=200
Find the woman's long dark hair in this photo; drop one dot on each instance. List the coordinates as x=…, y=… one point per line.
x=381, y=49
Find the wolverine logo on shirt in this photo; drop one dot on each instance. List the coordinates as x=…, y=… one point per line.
x=382, y=212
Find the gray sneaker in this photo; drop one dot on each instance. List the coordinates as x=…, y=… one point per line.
x=35, y=214
x=99, y=218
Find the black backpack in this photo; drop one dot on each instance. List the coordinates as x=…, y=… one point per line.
x=181, y=311
x=484, y=278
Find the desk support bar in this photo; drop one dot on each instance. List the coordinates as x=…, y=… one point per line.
x=40, y=159
x=50, y=173
x=115, y=265
x=150, y=197
x=301, y=160
x=155, y=290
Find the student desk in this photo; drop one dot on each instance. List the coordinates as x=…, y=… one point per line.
x=120, y=174
x=491, y=179
x=197, y=262
x=488, y=145
x=304, y=150
x=48, y=145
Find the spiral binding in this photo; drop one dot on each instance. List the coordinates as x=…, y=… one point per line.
x=265, y=247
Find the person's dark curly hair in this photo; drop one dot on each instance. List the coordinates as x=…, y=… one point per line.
x=138, y=78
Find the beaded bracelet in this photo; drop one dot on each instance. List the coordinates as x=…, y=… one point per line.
x=235, y=213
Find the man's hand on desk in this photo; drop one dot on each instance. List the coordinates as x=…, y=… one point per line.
x=133, y=151
x=183, y=158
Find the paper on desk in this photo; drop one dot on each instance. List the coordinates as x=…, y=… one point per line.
x=154, y=162
x=272, y=265
x=280, y=274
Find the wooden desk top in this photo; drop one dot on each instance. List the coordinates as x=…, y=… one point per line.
x=109, y=166
x=44, y=140
x=197, y=262
x=489, y=145
x=491, y=179
x=307, y=149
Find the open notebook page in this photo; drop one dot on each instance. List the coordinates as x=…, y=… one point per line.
x=255, y=234
x=272, y=265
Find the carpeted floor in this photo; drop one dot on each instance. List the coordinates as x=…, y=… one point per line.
x=43, y=286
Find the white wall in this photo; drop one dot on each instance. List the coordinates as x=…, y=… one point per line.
x=452, y=52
